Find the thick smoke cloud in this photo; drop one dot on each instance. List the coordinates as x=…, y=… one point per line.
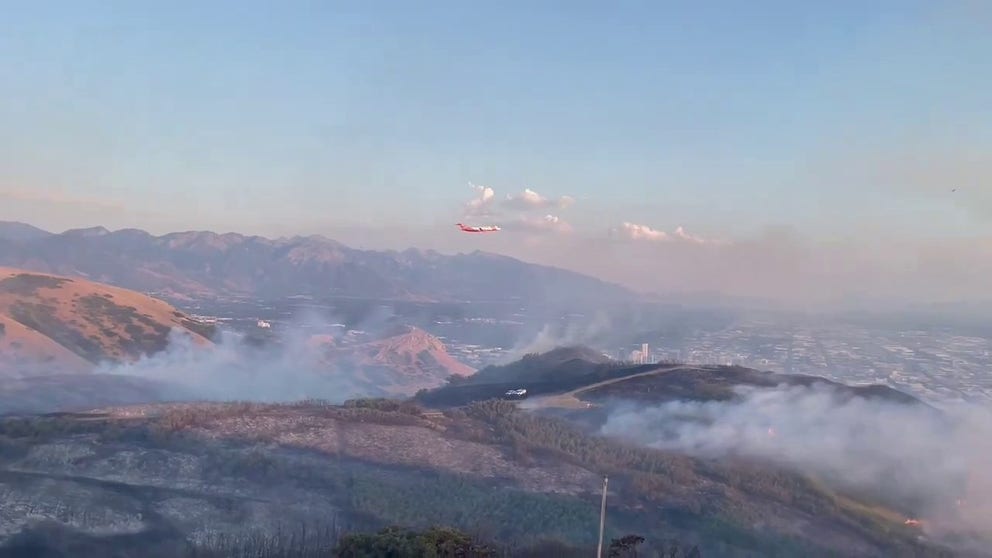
x=235, y=369
x=938, y=465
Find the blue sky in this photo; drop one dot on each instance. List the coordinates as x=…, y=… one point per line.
x=724, y=117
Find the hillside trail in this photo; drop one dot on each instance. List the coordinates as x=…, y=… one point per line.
x=570, y=399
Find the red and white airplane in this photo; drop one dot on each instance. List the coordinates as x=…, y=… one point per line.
x=487, y=228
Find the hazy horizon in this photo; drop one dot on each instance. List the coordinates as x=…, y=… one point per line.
x=810, y=157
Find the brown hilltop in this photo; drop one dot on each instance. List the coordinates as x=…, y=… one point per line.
x=400, y=362
x=414, y=345
x=51, y=324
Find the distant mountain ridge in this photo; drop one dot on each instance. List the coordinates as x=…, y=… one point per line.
x=201, y=263
x=15, y=231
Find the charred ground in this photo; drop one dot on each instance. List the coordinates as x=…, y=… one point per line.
x=177, y=471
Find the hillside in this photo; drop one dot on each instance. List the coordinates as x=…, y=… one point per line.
x=573, y=370
x=80, y=392
x=402, y=361
x=718, y=383
x=167, y=473
x=51, y=324
x=190, y=264
x=554, y=365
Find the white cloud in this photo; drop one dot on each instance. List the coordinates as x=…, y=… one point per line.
x=547, y=224
x=633, y=231
x=516, y=214
x=636, y=232
x=482, y=203
x=529, y=199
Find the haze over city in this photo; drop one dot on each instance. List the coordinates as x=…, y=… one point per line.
x=800, y=153
x=516, y=279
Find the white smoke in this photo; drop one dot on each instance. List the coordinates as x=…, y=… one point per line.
x=233, y=369
x=552, y=336
x=907, y=453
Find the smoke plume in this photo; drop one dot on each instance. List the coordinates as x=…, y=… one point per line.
x=288, y=367
x=936, y=465
x=552, y=336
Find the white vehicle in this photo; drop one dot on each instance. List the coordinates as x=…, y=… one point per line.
x=516, y=394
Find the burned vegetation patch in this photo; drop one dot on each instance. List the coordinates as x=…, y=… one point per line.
x=200, y=328
x=27, y=284
x=43, y=319
x=143, y=334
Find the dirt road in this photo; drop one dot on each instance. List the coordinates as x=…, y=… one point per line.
x=570, y=400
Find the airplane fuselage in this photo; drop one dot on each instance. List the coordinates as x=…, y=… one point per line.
x=487, y=228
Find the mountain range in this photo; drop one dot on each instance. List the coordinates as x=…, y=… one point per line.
x=192, y=264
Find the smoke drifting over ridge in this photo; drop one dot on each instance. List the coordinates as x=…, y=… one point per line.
x=235, y=370
x=936, y=464
x=552, y=336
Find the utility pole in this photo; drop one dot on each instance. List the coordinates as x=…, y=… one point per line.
x=602, y=519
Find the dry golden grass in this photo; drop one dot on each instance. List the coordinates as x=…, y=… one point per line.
x=70, y=324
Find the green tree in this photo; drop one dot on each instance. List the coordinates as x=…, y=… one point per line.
x=625, y=546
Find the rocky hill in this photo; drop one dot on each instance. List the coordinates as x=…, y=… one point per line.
x=402, y=361
x=164, y=475
x=51, y=324
x=200, y=263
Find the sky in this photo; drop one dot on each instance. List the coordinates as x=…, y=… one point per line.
x=815, y=140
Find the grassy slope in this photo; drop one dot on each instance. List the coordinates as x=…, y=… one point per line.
x=70, y=324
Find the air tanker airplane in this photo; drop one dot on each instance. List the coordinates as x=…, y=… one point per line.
x=487, y=228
